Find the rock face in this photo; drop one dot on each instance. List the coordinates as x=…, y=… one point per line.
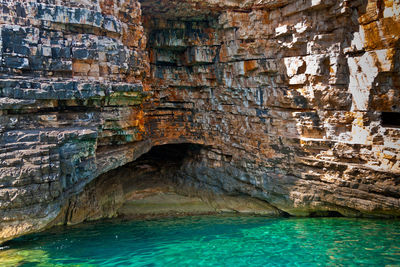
x=295, y=106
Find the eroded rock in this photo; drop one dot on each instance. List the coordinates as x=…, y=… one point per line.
x=289, y=98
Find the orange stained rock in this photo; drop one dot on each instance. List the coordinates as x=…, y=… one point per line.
x=382, y=33
x=210, y=33
x=103, y=69
x=80, y=67
x=107, y=7
x=133, y=37
x=237, y=19
x=223, y=53
x=152, y=56
x=87, y=68
x=265, y=16
x=250, y=65
x=372, y=12
x=137, y=119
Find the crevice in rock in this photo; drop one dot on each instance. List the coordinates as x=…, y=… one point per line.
x=328, y=213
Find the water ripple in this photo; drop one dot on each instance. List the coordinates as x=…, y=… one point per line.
x=212, y=241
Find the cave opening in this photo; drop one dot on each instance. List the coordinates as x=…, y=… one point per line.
x=154, y=185
x=169, y=180
x=167, y=156
x=391, y=119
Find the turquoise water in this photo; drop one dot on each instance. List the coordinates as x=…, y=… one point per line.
x=212, y=241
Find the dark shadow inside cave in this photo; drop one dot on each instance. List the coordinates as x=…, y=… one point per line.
x=171, y=155
x=158, y=171
x=328, y=213
x=168, y=180
x=391, y=119
x=153, y=185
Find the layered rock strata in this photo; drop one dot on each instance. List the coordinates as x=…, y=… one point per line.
x=295, y=105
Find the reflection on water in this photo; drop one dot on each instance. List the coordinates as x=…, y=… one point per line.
x=19, y=257
x=211, y=241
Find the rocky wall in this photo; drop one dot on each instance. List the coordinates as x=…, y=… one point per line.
x=295, y=101
x=288, y=99
x=71, y=89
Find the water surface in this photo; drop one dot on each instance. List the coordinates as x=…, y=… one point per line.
x=212, y=241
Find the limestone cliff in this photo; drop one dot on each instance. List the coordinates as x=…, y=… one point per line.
x=294, y=103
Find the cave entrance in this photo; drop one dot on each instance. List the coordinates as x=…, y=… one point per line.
x=168, y=180
x=171, y=155
x=156, y=185
x=153, y=185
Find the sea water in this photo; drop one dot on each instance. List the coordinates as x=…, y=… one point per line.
x=212, y=241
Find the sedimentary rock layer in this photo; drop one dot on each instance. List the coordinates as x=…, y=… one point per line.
x=295, y=103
